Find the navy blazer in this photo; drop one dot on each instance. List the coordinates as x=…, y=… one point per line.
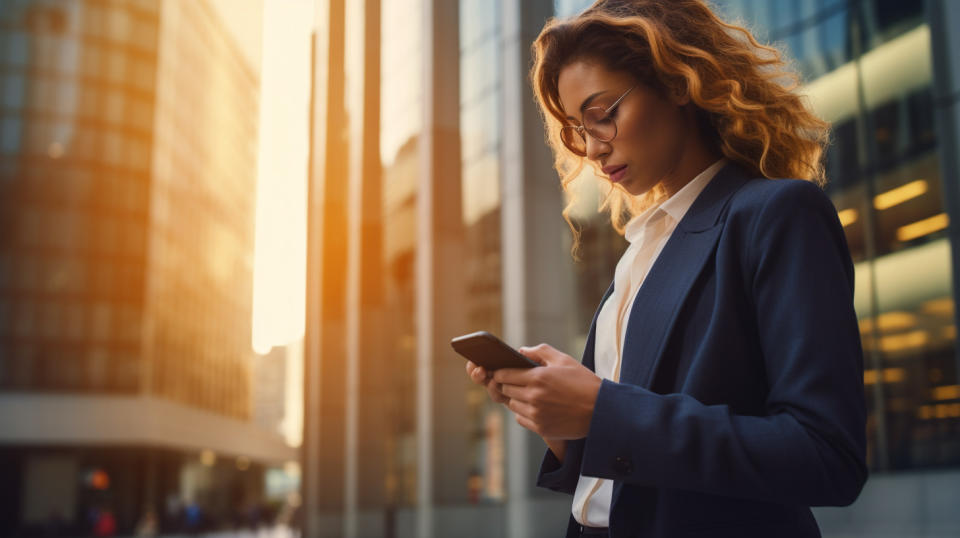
x=740, y=402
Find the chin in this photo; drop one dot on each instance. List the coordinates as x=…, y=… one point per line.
x=637, y=188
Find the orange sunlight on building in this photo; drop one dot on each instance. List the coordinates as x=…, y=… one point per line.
x=280, y=260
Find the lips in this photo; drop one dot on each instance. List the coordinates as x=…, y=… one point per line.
x=615, y=172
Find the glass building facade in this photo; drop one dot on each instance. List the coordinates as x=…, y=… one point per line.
x=480, y=118
x=868, y=69
x=401, y=116
x=128, y=137
x=76, y=137
x=405, y=253
x=470, y=237
x=106, y=180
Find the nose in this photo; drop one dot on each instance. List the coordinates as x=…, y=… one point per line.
x=596, y=149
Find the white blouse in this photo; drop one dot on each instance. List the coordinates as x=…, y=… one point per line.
x=647, y=233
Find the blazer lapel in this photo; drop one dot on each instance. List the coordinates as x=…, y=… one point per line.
x=666, y=286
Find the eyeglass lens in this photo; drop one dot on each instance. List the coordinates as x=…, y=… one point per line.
x=597, y=123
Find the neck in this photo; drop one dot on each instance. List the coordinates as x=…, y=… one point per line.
x=694, y=158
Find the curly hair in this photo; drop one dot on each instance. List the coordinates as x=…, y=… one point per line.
x=743, y=91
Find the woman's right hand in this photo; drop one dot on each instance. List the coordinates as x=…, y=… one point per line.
x=480, y=376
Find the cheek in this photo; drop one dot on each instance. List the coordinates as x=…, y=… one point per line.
x=655, y=133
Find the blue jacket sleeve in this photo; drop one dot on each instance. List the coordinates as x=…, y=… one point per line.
x=809, y=448
x=561, y=476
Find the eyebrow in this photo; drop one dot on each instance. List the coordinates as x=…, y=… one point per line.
x=587, y=101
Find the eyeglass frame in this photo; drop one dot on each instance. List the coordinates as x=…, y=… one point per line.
x=581, y=129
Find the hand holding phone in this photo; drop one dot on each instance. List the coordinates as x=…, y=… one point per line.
x=485, y=349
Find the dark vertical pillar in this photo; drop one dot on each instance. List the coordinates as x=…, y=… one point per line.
x=943, y=16
x=324, y=351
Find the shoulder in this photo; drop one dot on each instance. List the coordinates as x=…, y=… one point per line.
x=764, y=214
x=780, y=219
x=761, y=195
x=765, y=202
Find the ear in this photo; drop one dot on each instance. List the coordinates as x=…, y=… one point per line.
x=679, y=95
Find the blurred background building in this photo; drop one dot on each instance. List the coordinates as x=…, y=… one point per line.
x=128, y=189
x=434, y=211
x=128, y=146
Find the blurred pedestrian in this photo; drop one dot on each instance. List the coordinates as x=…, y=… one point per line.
x=105, y=524
x=193, y=517
x=147, y=526
x=55, y=524
x=721, y=387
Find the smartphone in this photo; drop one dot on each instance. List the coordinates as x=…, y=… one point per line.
x=489, y=351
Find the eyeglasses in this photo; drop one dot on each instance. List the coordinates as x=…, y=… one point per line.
x=597, y=122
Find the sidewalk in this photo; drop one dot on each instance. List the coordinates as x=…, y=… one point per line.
x=280, y=531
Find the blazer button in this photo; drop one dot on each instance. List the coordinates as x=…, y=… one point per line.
x=622, y=465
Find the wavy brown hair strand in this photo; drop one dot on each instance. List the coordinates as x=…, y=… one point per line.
x=743, y=91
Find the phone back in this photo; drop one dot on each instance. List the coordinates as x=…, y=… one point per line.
x=489, y=351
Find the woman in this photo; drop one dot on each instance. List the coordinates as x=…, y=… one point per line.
x=721, y=387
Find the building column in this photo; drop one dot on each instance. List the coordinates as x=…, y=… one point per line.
x=310, y=448
x=538, y=286
x=362, y=68
x=324, y=343
x=439, y=237
x=943, y=16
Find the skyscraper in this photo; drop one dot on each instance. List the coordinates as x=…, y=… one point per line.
x=127, y=175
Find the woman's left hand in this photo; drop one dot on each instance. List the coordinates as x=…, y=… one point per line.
x=554, y=401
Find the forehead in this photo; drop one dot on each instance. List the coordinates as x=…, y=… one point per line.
x=583, y=78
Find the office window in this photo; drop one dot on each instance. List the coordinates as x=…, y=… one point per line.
x=75, y=238
x=142, y=114
x=27, y=267
x=97, y=365
x=115, y=104
x=50, y=321
x=17, y=49
x=479, y=20
x=129, y=280
x=144, y=34
x=6, y=315
x=25, y=319
x=94, y=20
x=91, y=59
x=125, y=370
x=11, y=130
x=69, y=366
x=116, y=67
x=119, y=24
x=886, y=19
x=84, y=144
x=107, y=231
x=7, y=270
x=51, y=227
x=73, y=321
x=113, y=148
x=22, y=365
x=101, y=315
x=88, y=105
x=566, y=8
x=65, y=100
x=819, y=48
x=13, y=90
